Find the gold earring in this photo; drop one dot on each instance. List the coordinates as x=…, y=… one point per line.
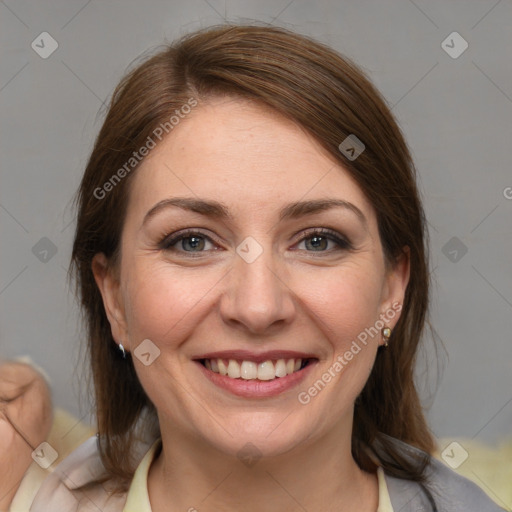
x=386, y=334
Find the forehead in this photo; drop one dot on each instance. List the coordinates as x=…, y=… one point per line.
x=242, y=154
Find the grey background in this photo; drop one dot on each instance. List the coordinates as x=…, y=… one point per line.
x=456, y=115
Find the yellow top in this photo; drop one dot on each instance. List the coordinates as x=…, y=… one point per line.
x=138, y=497
x=384, y=499
x=66, y=434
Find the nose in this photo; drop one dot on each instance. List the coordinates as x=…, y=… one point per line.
x=257, y=298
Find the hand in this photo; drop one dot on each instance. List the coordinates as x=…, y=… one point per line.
x=25, y=422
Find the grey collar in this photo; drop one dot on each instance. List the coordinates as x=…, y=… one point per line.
x=443, y=491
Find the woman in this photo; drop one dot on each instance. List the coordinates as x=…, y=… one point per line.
x=250, y=256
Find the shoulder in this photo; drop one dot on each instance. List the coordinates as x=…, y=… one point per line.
x=449, y=491
x=80, y=483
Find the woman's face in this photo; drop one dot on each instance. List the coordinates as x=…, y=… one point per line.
x=265, y=270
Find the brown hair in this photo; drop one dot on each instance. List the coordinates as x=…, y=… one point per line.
x=331, y=99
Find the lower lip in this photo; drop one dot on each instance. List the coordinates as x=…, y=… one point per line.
x=255, y=388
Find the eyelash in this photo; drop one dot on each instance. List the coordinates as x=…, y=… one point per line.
x=170, y=241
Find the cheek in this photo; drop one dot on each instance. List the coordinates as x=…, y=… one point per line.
x=346, y=302
x=350, y=315
x=159, y=302
x=347, y=308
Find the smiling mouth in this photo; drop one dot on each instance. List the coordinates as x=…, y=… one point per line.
x=250, y=370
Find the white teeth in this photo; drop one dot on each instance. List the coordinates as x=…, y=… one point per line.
x=266, y=371
x=223, y=369
x=233, y=369
x=280, y=368
x=249, y=370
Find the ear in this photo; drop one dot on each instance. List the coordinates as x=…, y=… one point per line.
x=395, y=285
x=108, y=285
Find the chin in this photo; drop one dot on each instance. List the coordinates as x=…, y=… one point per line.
x=255, y=439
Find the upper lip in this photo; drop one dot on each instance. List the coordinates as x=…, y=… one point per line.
x=257, y=357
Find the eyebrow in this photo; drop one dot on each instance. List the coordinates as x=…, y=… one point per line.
x=218, y=210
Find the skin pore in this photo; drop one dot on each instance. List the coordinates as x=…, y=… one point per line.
x=307, y=291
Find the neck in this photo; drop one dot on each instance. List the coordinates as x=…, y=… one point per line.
x=313, y=476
